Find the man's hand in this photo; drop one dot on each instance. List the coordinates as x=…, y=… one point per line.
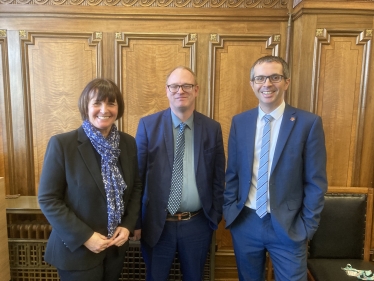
x=137, y=235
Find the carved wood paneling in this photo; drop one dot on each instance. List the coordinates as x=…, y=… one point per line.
x=57, y=66
x=339, y=87
x=142, y=64
x=231, y=57
x=5, y=116
x=266, y=4
x=4, y=259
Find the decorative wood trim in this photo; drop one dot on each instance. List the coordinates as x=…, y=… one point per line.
x=27, y=39
x=295, y=2
x=262, y=4
x=322, y=37
x=4, y=260
x=217, y=42
x=38, y=12
x=123, y=40
x=5, y=107
x=303, y=7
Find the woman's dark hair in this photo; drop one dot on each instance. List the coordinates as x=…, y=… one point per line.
x=102, y=89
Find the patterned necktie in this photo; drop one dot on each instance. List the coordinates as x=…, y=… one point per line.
x=262, y=177
x=177, y=175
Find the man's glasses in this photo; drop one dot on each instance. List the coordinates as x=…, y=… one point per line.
x=175, y=88
x=261, y=79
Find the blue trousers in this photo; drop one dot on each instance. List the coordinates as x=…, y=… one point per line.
x=191, y=238
x=252, y=237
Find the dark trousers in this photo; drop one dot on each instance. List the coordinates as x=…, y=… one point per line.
x=191, y=238
x=108, y=270
x=252, y=237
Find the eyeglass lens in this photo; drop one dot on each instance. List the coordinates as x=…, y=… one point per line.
x=275, y=78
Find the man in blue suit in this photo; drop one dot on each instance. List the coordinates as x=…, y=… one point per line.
x=185, y=222
x=275, y=178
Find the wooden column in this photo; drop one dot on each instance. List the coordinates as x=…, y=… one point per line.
x=4, y=257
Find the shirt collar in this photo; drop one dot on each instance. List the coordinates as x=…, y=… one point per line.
x=276, y=113
x=176, y=121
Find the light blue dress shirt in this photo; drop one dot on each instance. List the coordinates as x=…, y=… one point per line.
x=190, y=196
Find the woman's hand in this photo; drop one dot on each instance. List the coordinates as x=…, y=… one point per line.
x=120, y=236
x=97, y=243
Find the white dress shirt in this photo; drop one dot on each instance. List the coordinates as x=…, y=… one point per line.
x=277, y=114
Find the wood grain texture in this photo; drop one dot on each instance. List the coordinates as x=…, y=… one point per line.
x=341, y=56
x=3, y=133
x=259, y=4
x=230, y=60
x=6, y=140
x=57, y=68
x=60, y=52
x=4, y=257
x=143, y=62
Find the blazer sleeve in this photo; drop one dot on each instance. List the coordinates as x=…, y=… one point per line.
x=72, y=230
x=232, y=178
x=218, y=177
x=315, y=178
x=142, y=144
x=133, y=198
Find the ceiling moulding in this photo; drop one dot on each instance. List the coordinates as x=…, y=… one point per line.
x=310, y=7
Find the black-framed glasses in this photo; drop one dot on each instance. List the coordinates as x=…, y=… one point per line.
x=173, y=88
x=261, y=79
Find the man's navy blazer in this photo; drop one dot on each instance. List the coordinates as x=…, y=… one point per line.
x=72, y=197
x=297, y=182
x=155, y=143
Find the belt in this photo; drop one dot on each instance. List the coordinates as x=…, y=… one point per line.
x=182, y=216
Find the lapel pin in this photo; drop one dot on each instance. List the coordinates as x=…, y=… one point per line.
x=292, y=119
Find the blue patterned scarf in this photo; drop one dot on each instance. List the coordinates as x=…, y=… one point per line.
x=113, y=181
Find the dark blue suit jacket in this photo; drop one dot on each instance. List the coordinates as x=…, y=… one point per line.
x=155, y=143
x=298, y=174
x=72, y=197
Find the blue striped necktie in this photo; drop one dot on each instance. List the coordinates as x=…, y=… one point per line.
x=177, y=173
x=262, y=176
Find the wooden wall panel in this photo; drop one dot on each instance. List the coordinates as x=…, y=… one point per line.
x=4, y=250
x=5, y=116
x=143, y=62
x=56, y=66
x=331, y=72
x=339, y=96
x=230, y=59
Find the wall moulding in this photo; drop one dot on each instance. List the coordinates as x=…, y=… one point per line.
x=333, y=8
x=6, y=141
x=265, y=4
x=342, y=55
x=136, y=56
x=50, y=95
x=217, y=41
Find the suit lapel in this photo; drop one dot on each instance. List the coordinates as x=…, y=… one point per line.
x=88, y=156
x=250, y=134
x=198, y=129
x=288, y=122
x=168, y=135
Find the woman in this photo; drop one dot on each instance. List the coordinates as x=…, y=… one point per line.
x=90, y=190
